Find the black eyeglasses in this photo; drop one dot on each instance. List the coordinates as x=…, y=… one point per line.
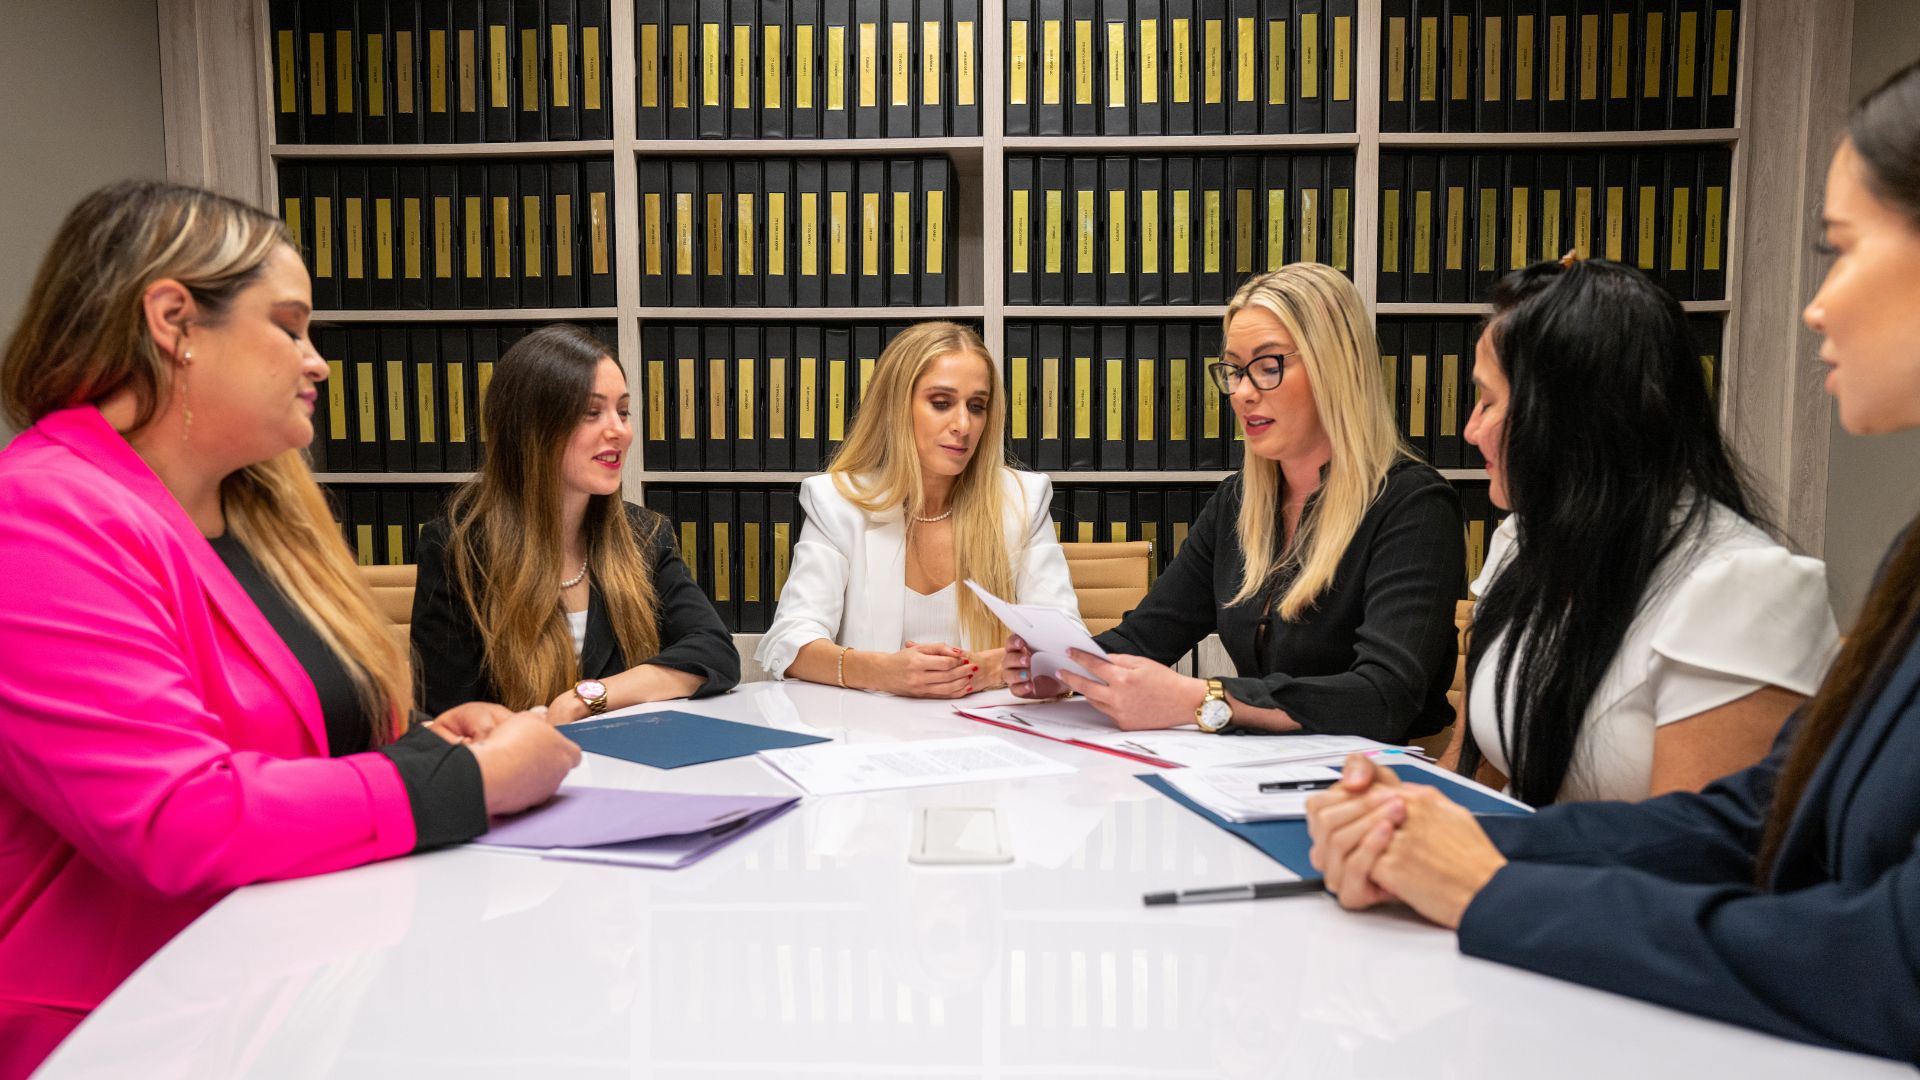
x=1265, y=371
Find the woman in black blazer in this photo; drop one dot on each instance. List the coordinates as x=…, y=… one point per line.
x=1785, y=897
x=542, y=586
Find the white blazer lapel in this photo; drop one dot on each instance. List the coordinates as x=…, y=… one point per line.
x=879, y=625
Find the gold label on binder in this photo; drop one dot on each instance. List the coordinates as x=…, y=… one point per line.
x=836, y=68
x=1589, y=57
x=1213, y=61
x=1523, y=58
x=396, y=545
x=1017, y=396
x=1083, y=397
x=1390, y=231
x=474, y=246
x=782, y=555
x=722, y=564
x=590, y=68
x=770, y=55
x=929, y=63
x=809, y=396
x=837, y=232
x=1209, y=403
x=1276, y=61
x=1150, y=231
x=1711, y=223
x=1390, y=378
x=1049, y=397
x=456, y=402
x=343, y=73
x=1143, y=404
x=1517, y=230
x=743, y=234
x=1116, y=65
x=483, y=382
x=803, y=66
x=1309, y=56
x=1456, y=236
x=1177, y=399
x=1180, y=62
x=1686, y=53
x=1342, y=58
x=1243, y=230
x=1053, y=240
x=1490, y=59
x=560, y=66
x=283, y=47
x=1721, y=82
x=1476, y=547
x=1423, y=232
x=467, y=64
x=529, y=70
x=317, y=74
x=1644, y=237
x=679, y=78
x=651, y=236
x=356, y=255
x=1449, y=395
x=1083, y=532
x=442, y=236
x=1050, y=62
x=870, y=233
x=1460, y=58
x=1583, y=222
x=368, y=432
x=1550, y=224
x=1276, y=228
x=690, y=544
x=1618, y=56
x=869, y=66
x=1149, y=61
x=689, y=410
x=902, y=233
x=750, y=562
x=657, y=401
x=936, y=232
x=836, y=400
x=423, y=403
x=710, y=64
x=1183, y=232
x=336, y=399
x=1083, y=62
x=1116, y=403
x=1616, y=223
x=809, y=234
x=965, y=78
x=716, y=234
x=597, y=230
x=410, y=245
x=742, y=66
x=649, y=63
x=1488, y=240
x=530, y=233
x=290, y=214
x=1085, y=236
x=1244, y=71
x=1117, y=231
x=1310, y=225
x=1429, y=59
x=899, y=82
x=1021, y=198
x=743, y=387
x=383, y=239
x=1180, y=530
x=1682, y=229
x=497, y=70
x=1342, y=223
x=1417, y=397
x=682, y=233
x=1557, y=58
x=436, y=71
x=777, y=397
x=776, y=234
x=1650, y=86
x=1396, y=58
x=1017, y=77
x=717, y=397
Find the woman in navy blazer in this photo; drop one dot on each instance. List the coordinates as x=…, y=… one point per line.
x=1786, y=897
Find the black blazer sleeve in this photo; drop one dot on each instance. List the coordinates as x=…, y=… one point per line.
x=692, y=637
x=1177, y=611
x=449, y=666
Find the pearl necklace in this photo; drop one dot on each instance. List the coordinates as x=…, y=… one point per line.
x=577, y=578
x=931, y=520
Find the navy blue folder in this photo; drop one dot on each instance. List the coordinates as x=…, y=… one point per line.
x=1287, y=842
x=670, y=739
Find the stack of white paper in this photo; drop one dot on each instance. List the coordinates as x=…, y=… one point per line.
x=1234, y=793
x=838, y=768
x=1075, y=720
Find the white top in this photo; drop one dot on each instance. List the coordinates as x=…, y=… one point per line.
x=577, y=624
x=848, y=581
x=931, y=619
x=1725, y=615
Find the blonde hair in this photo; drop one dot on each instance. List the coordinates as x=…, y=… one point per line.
x=504, y=547
x=83, y=338
x=1323, y=313
x=878, y=468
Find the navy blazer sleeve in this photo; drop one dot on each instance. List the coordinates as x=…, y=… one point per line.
x=692, y=637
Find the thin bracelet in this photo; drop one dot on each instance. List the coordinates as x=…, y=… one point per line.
x=841, y=664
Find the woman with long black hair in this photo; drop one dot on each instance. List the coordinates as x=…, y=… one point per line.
x=1785, y=897
x=1637, y=631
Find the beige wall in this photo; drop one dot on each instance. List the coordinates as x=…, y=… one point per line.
x=81, y=82
x=1873, y=484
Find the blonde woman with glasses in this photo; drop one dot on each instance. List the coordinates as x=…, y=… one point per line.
x=918, y=501
x=1329, y=566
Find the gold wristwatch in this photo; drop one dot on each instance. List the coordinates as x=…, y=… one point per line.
x=1214, y=713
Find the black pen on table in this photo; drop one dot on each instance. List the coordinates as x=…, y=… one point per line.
x=1276, y=786
x=1259, y=890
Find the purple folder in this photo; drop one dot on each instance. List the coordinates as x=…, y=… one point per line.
x=639, y=828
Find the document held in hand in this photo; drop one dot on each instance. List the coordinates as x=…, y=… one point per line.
x=1048, y=632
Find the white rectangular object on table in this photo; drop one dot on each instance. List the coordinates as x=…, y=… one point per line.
x=959, y=834
x=841, y=768
x=1049, y=633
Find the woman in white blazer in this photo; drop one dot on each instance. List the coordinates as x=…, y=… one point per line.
x=918, y=501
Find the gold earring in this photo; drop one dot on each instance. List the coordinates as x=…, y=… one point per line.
x=186, y=403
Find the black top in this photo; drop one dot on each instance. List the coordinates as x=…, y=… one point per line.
x=442, y=779
x=452, y=656
x=1376, y=653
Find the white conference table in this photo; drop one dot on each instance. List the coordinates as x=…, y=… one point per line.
x=812, y=947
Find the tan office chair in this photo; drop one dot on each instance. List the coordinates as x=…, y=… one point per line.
x=1109, y=579
x=1435, y=745
x=393, y=594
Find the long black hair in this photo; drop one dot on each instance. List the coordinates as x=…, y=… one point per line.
x=1613, y=459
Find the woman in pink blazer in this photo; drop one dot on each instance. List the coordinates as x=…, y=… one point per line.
x=195, y=689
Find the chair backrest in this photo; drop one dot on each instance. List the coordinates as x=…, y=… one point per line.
x=393, y=594
x=1109, y=579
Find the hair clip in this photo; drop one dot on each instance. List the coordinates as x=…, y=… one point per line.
x=1567, y=260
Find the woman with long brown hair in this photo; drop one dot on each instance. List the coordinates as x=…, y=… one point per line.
x=543, y=586
x=196, y=691
x=1785, y=897
x=918, y=501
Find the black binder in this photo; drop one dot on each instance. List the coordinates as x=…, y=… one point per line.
x=1485, y=256
x=1023, y=204
x=1680, y=203
x=1086, y=236
x=1052, y=82
x=1150, y=67
x=1211, y=213
x=1086, y=514
x=346, y=65
x=900, y=76
x=1453, y=359
x=716, y=233
x=414, y=254
x=1112, y=401
x=1427, y=76
x=529, y=50
x=1019, y=367
x=404, y=41
x=838, y=75
x=1050, y=408
x=868, y=340
x=868, y=74
x=937, y=215
x=1146, y=397
x=712, y=75
x=1416, y=365
x=754, y=580
x=1454, y=230
x=1342, y=63
x=467, y=73
x=935, y=38
x=1116, y=90
x=717, y=400
x=1180, y=376
x=383, y=247
x=652, y=92
x=1213, y=431
x=1310, y=60
x=425, y=399
x=685, y=371
x=1183, y=76
x=485, y=344
x=363, y=402
x=325, y=211
x=1340, y=196
x=683, y=210
x=1522, y=211
x=743, y=79
x=1244, y=76
x=809, y=371
x=1394, y=201
x=1116, y=275
x=1458, y=77
x=747, y=234
x=778, y=391
x=1183, y=250
x=806, y=234
x=1245, y=224
x=1722, y=62
x=903, y=232
x=503, y=234
x=288, y=53
x=560, y=42
x=1490, y=78
x=681, y=72
x=775, y=73
x=1648, y=220
x=438, y=57
x=653, y=428
x=1690, y=51
x=473, y=209
x=1558, y=64
x=1524, y=54
x=841, y=232
x=1390, y=332
x=805, y=94
x=1023, y=49
x=596, y=234
x=1423, y=181
x=836, y=393
x=1710, y=281
x=749, y=402
x=783, y=511
x=1550, y=227
x=1619, y=63
x=1053, y=232
x=1652, y=69
x=1084, y=401
x=354, y=239
x=1276, y=184
x=1149, y=215
x=777, y=270
x=1083, y=68
x=1116, y=525
x=656, y=233
x=499, y=85
x=1399, y=37
x=535, y=256
x=443, y=241
x=870, y=288
x=332, y=449
x=1308, y=215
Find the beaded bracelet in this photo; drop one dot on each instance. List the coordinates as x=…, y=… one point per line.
x=841, y=665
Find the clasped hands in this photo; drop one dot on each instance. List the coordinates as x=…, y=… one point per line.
x=1377, y=838
x=522, y=756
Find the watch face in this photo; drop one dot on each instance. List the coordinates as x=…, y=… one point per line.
x=591, y=688
x=1215, y=715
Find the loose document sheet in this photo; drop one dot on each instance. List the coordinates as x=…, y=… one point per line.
x=1075, y=720
x=842, y=768
x=1047, y=631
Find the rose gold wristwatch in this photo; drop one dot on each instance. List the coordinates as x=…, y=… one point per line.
x=593, y=694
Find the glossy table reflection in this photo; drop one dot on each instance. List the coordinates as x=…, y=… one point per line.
x=812, y=947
